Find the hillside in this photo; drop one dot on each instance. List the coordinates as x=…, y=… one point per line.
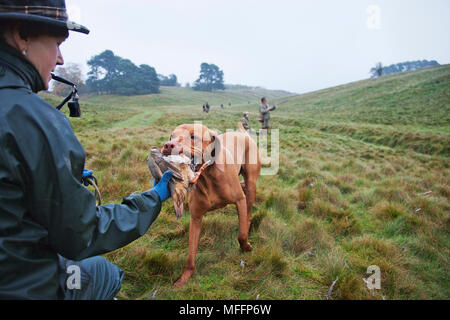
x=409, y=110
x=118, y=111
x=363, y=180
x=178, y=96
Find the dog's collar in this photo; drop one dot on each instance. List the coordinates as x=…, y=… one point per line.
x=203, y=167
x=194, y=166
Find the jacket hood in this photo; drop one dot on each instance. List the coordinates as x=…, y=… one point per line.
x=21, y=73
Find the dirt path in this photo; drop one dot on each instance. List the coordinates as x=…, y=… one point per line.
x=139, y=120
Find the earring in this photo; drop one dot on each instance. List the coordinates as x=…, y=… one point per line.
x=24, y=52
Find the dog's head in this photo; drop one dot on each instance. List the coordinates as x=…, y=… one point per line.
x=195, y=141
x=199, y=144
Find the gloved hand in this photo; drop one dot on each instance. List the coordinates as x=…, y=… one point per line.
x=162, y=188
x=87, y=174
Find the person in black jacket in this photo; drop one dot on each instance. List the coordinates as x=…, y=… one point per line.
x=51, y=231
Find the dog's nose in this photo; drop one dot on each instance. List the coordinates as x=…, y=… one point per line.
x=172, y=148
x=167, y=149
x=169, y=146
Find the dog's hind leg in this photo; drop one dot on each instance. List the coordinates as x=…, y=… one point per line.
x=250, y=174
x=243, y=225
x=243, y=186
x=250, y=194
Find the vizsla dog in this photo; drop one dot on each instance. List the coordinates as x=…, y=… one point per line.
x=227, y=156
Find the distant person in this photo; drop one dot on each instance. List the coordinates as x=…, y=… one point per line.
x=51, y=230
x=245, y=121
x=246, y=124
x=264, y=111
x=221, y=105
x=206, y=108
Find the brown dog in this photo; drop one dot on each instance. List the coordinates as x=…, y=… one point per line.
x=230, y=155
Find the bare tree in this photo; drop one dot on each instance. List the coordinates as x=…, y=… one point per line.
x=72, y=72
x=377, y=71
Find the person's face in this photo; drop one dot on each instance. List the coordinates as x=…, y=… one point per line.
x=44, y=53
x=264, y=101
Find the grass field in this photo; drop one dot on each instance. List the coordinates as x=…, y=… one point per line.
x=363, y=180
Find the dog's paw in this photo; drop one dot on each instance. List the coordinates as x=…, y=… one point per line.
x=179, y=283
x=187, y=274
x=246, y=247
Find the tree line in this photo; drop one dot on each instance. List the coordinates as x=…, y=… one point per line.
x=380, y=70
x=111, y=74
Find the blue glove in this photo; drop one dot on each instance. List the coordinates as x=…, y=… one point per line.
x=87, y=174
x=162, y=187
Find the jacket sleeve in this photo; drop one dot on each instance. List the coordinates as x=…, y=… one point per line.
x=86, y=230
x=45, y=163
x=77, y=229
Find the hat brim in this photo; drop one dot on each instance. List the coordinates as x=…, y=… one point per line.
x=69, y=25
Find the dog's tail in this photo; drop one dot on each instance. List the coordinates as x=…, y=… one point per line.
x=252, y=134
x=241, y=128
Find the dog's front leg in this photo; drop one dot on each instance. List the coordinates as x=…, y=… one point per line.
x=195, y=227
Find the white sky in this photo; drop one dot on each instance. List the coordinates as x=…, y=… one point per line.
x=294, y=45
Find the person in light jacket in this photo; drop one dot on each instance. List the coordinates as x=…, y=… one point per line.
x=264, y=111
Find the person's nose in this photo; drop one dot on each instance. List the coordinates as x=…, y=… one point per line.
x=60, y=59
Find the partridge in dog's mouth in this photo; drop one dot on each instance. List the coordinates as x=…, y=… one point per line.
x=182, y=178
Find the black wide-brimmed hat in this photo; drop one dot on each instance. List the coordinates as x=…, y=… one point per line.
x=49, y=12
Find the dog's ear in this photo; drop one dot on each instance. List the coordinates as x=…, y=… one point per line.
x=212, y=150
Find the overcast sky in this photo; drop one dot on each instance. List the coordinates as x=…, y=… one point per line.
x=294, y=45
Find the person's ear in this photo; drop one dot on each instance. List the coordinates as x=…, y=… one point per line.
x=16, y=41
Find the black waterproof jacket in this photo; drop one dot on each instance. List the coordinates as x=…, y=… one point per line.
x=44, y=209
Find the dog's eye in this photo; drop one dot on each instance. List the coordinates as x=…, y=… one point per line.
x=192, y=137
